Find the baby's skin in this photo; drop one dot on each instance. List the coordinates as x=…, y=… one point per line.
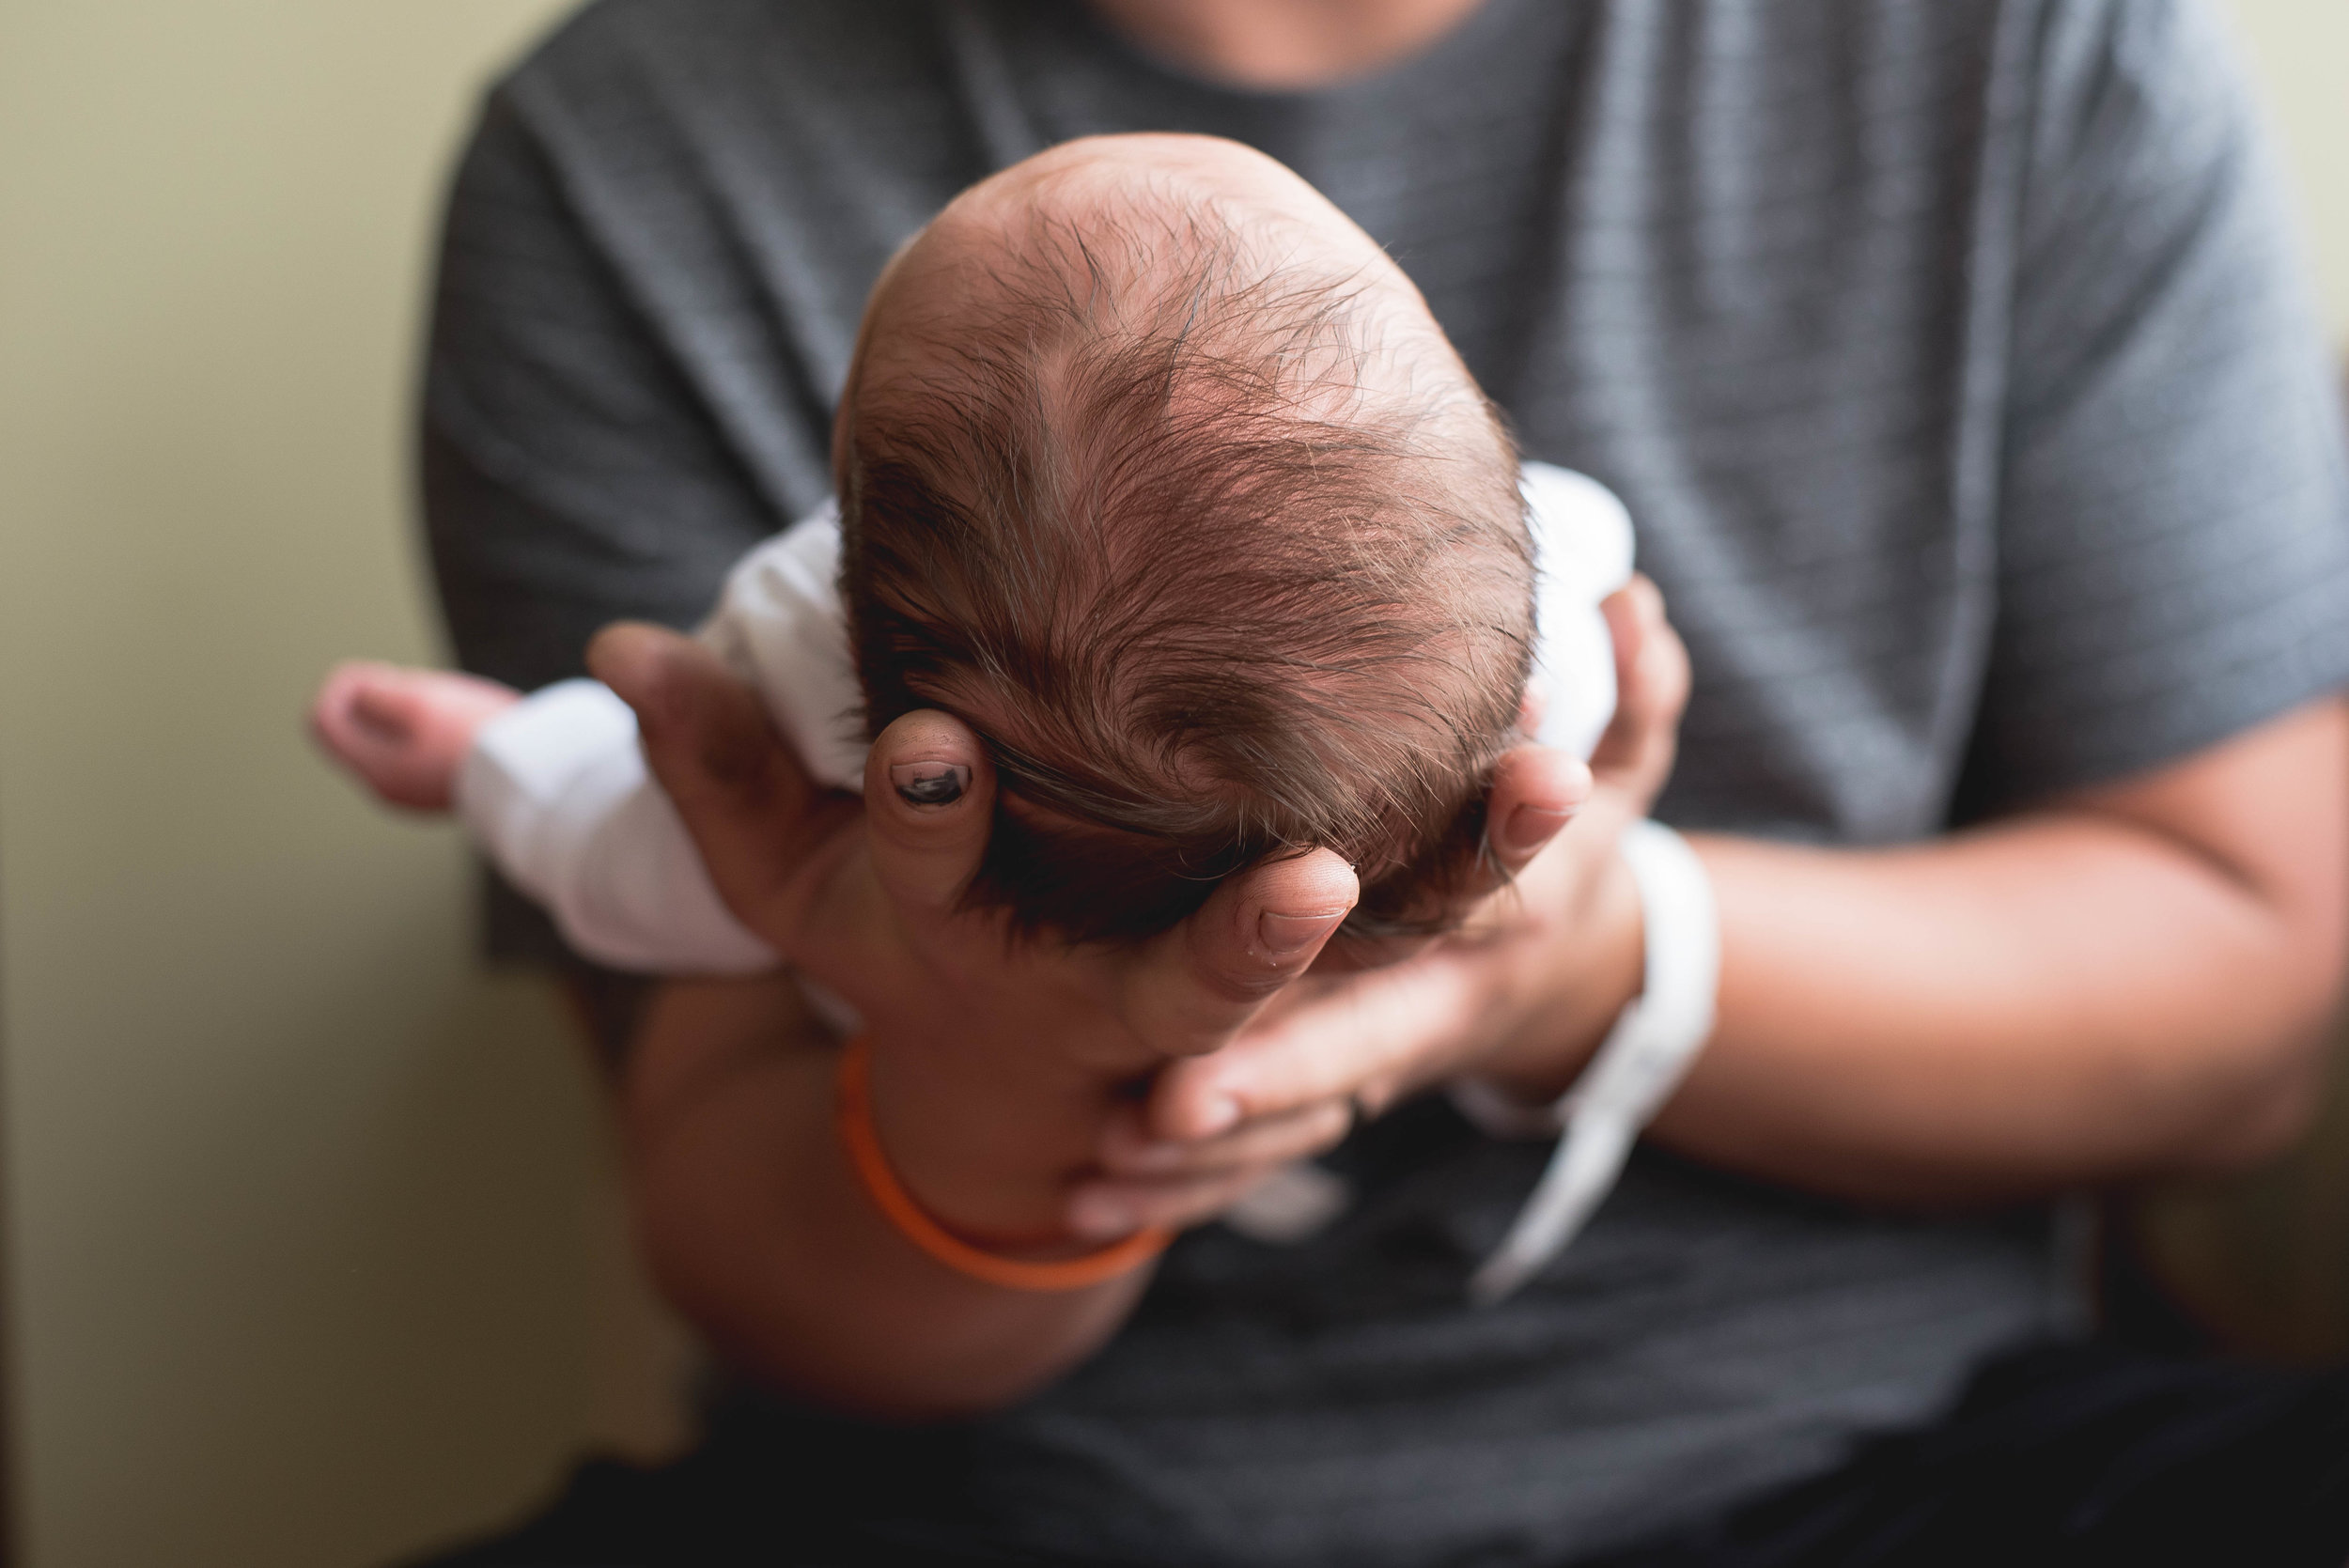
x=403, y=732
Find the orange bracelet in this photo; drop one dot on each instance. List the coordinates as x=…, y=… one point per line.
x=897, y=1205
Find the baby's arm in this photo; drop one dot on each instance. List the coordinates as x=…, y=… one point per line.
x=404, y=733
x=553, y=790
x=553, y=787
x=556, y=792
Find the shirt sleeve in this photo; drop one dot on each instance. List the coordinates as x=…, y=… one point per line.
x=575, y=470
x=2173, y=537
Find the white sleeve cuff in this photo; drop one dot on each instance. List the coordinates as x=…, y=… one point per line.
x=556, y=793
x=1583, y=547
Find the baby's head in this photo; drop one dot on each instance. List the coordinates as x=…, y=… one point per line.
x=1156, y=471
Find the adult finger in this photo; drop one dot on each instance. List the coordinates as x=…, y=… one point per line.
x=1652, y=676
x=742, y=793
x=1373, y=1037
x=1536, y=791
x=1129, y=1151
x=1190, y=989
x=929, y=794
x=1102, y=1212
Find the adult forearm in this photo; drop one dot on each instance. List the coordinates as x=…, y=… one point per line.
x=756, y=1229
x=2132, y=980
x=2054, y=1001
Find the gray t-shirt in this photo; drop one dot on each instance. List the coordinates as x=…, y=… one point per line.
x=1973, y=420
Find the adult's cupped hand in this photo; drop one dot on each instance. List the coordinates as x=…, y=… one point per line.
x=1522, y=993
x=865, y=897
x=1001, y=1055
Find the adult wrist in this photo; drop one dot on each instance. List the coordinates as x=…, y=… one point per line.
x=913, y=1220
x=1634, y=1071
x=992, y=1153
x=1587, y=967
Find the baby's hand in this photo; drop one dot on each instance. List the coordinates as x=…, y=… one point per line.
x=403, y=733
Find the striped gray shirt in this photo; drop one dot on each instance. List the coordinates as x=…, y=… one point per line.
x=1952, y=363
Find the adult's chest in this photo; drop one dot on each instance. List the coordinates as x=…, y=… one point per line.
x=1770, y=321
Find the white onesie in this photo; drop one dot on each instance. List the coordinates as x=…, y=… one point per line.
x=555, y=789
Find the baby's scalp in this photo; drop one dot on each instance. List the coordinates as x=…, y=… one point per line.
x=1156, y=472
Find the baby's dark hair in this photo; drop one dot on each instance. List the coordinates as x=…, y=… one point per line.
x=1208, y=591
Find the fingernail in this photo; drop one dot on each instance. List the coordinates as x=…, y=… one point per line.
x=1281, y=935
x=1099, y=1217
x=929, y=783
x=1217, y=1114
x=1530, y=827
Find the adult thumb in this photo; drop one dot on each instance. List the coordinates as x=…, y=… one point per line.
x=741, y=792
x=929, y=794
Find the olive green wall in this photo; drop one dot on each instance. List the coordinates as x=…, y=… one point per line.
x=2299, y=51
x=312, y=1252
x=309, y=1236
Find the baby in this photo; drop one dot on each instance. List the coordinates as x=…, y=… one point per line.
x=1155, y=470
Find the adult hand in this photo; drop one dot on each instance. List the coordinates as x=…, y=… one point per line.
x=1521, y=995
x=994, y=1060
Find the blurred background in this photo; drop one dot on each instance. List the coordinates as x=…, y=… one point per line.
x=313, y=1248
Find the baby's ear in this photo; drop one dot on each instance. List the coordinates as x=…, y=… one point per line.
x=1531, y=707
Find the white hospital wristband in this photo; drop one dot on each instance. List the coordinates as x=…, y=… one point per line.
x=1636, y=1068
